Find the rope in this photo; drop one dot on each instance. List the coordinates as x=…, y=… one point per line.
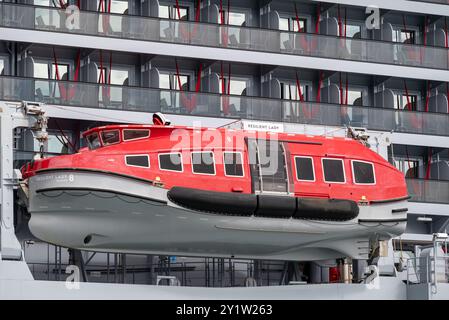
x=320, y=82
x=318, y=15
x=198, y=79
x=345, y=22
x=224, y=32
x=198, y=11
x=56, y=65
x=341, y=90
x=189, y=103
x=409, y=106
x=426, y=21
x=78, y=66
x=72, y=146
x=178, y=9
x=110, y=67
x=225, y=100
x=408, y=158
x=101, y=78
x=347, y=87
x=297, y=18
x=427, y=96
x=446, y=38
x=404, y=22
x=298, y=85
x=429, y=162
x=178, y=75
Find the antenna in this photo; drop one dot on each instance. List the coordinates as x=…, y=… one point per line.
x=359, y=134
x=160, y=120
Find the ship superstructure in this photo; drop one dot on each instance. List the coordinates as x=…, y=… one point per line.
x=296, y=67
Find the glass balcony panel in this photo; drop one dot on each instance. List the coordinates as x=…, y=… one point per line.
x=16, y=16
x=214, y=105
x=16, y=89
x=432, y=191
x=225, y=36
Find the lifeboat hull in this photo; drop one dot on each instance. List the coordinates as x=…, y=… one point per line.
x=100, y=211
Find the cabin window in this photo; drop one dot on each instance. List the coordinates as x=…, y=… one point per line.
x=93, y=141
x=142, y=161
x=363, y=172
x=334, y=171
x=170, y=162
x=203, y=163
x=135, y=134
x=304, y=169
x=233, y=164
x=110, y=137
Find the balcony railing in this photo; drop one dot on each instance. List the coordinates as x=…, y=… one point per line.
x=432, y=191
x=94, y=95
x=223, y=36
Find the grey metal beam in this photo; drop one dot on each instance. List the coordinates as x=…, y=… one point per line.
x=437, y=209
x=420, y=140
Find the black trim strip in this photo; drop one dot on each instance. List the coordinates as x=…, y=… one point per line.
x=399, y=210
x=391, y=200
x=100, y=190
x=382, y=220
x=94, y=170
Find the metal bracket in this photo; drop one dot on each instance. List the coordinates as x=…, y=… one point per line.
x=14, y=115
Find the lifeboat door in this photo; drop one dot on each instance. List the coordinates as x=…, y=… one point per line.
x=269, y=172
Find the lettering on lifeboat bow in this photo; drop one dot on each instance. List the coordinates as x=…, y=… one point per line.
x=269, y=206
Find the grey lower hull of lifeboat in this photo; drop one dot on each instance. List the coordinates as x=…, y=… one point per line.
x=105, y=212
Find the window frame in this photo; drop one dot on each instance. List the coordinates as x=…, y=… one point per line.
x=344, y=170
x=294, y=24
x=168, y=153
x=353, y=173
x=213, y=162
x=109, y=144
x=126, y=140
x=313, y=169
x=224, y=164
x=99, y=140
x=137, y=155
x=60, y=64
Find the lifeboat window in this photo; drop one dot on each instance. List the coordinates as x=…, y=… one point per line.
x=233, y=164
x=135, y=134
x=142, y=161
x=110, y=137
x=363, y=172
x=170, y=162
x=334, y=171
x=304, y=169
x=203, y=163
x=93, y=141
